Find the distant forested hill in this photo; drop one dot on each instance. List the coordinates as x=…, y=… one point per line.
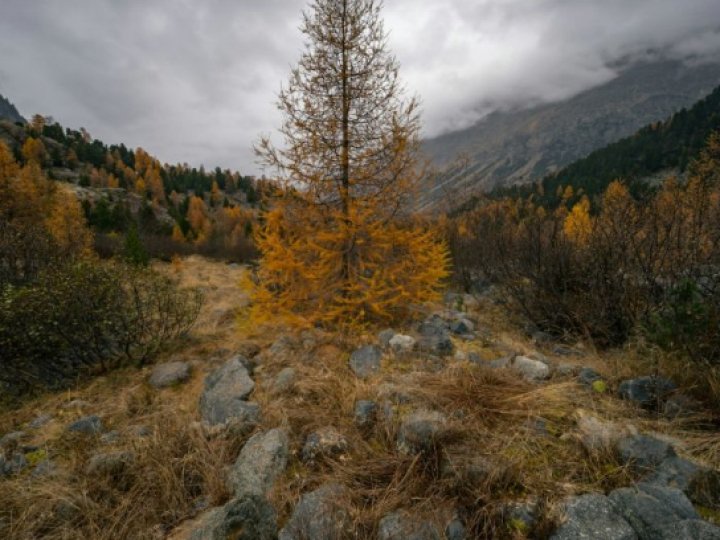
x=8, y=111
x=658, y=147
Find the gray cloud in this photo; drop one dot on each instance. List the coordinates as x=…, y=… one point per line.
x=196, y=81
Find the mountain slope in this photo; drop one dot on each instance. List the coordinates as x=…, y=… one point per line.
x=521, y=146
x=8, y=111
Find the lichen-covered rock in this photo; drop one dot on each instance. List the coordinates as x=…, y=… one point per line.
x=247, y=518
x=532, y=370
x=420, y=430
x=401, y=525
x=592, y=517
x=650, y=509
x=643, y=451
x=224, y=396
x=588, y=376
x=365, y=361
x=326, y=441
x=646, y=391
x=365, y=413
x=260, y=462
x=169, y=374
x=320, y=515
x=88, y=425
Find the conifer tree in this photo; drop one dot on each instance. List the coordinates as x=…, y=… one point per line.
x=340, y=246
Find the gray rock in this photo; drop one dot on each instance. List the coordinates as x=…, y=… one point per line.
x=531, y=370
x=111, y=463
x=474, y=358
x=260, y=462
x=439, y=345
x=12, y=439
x=646, y=391
x=224, y=395
x=88, y=425
x=245, y=518
x=326, y=441
x=282, y=347
x=462, y=327
x=643, y=451
x=401, y=343
x=521, y=516
x=44, y=469
x=588, y=376
x=592, y=517
x=674, y=472
x=564, y=350
x=420, y=430
x=651, y=509
x=365, y=361
x=597, y=434
x=365, y=413
x=402, y=525
x=40, y=421
x=704, y=488
x=690, y=529
x=500, y=363
x=10, y=466
x=565, y=370
x=169, y=374
x=433, y=326
x=320, y=515
x=385, y=336
x=679, y=405
x=455, y=530
x=284, y=381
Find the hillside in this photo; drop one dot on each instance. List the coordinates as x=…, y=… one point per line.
x=523, y=146
x=210, y=211
x=8, y=111
x=656, y=151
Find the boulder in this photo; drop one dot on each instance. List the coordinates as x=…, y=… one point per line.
x=674, y=472
x=385, y=336
x=435, y=338
x=692, y=529
x=455, y=530
x=434, y=325
x=596, y=434
x=283, y=381
x=520, y=516
x=326, y=441
x=224, y=397
x=531, y=370
x=643, y=451
x=246, y=518
x=646, y=391
x=12, y=465
x=420, y=430
x=401, y=525
x=400, y=343
x=365, y=413
x=462, y=326
x=651, y=509
x=365, y=361
x=319, y=515
x=260, y=462
x=592, y=517
x=169, y=374
x=39, y=421
x=88, y=425
x=588, y=376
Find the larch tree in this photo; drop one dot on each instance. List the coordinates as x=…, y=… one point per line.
x=340, y=245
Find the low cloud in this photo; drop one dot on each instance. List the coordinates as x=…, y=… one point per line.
x=196, y=81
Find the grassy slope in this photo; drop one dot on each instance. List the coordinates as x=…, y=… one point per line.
x=181, y=466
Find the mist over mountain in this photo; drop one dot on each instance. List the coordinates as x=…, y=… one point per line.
x=521, y=146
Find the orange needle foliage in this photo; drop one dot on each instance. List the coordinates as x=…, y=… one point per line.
x=339, y=247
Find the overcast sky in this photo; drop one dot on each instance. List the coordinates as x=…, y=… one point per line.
x=196, y=80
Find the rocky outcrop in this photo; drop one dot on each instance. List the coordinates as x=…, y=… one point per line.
x=224, y=398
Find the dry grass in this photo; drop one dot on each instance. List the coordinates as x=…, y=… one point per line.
x=493, y=417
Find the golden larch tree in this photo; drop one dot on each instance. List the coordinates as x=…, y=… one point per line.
x=340, y=244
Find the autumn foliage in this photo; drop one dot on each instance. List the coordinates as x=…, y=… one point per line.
x=339, y=245
x=608, y=269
